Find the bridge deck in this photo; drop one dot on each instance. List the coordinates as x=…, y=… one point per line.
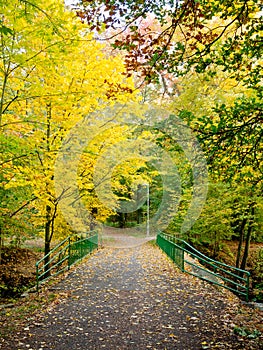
x=136, y=299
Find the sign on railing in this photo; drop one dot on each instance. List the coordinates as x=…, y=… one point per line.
x=65, y=254
x=191, y=261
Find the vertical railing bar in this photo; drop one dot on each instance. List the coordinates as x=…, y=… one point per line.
x=69, y=252
x=247, y=291
x=183, y=260
x=37, y=274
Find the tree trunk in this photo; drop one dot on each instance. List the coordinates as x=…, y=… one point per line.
x=1, y=243
x=248, y=237
x=138, y=216
x=48, y=207
x=122, y=219
x=47, y=240
x=215, y=246
x=49, y=231
x=241, y=239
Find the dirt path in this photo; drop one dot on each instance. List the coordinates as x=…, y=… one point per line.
x=134, y=299
x=124, y=238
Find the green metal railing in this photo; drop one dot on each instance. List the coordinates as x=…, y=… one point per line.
x=191, y=261
x=64, y=255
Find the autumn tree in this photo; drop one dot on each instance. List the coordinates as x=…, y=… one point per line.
x=48, y=84
x=204, y=41
x=205, y=36
x=233, y=154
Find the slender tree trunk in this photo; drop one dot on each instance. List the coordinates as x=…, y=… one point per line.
x=47, y=240
x=122, y=223
x=215, y=246
x=49, y=231
x=2, y=97
x=1, y=244
x=138, y=216
x=139, y=210
x=248, y=238
x=122, y=219
x=240, y=243
x=48, y=207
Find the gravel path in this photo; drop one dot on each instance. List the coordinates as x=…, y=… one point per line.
x=133, y=299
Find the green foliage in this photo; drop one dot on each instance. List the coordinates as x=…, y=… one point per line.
x=244, y=332
x=222, y=216
x=5, y=30
x=233, y=141
x=206, y=58
x=216, y=40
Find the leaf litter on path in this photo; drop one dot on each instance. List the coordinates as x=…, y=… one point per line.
x=137, y=299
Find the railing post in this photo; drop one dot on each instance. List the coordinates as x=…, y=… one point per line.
x=247, y=291
x=183, y=270
x=69, y=253
x=37, y=276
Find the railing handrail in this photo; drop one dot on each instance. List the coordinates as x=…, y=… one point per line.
x=53, y=257
x=62, y=242
x=216, y=265
x=220, y=268
x=52, y=250
x=203, y=255
x=61, y=248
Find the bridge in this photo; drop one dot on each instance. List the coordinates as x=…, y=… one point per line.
x=134, y=297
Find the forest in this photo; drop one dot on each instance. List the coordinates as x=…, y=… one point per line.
x=111, y=110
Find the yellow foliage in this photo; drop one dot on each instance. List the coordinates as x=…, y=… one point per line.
x=55, y=74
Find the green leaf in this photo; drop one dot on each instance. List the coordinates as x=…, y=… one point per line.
x=5, y=30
